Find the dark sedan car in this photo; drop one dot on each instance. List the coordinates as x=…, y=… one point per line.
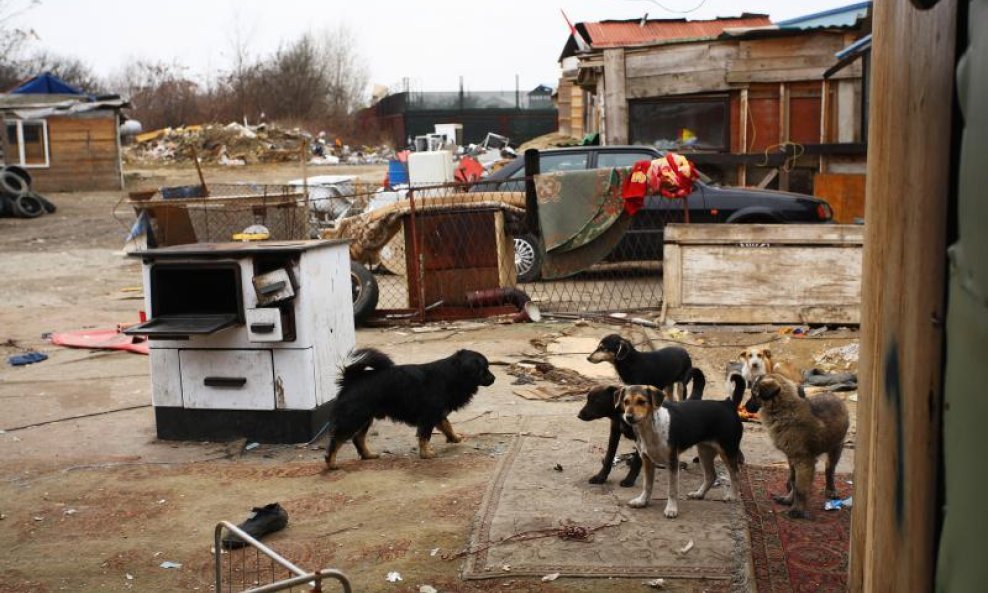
x=708, y=203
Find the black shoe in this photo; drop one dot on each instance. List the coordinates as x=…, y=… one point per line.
x=267, y=519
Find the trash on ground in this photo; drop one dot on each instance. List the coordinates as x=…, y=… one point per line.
x=656, y=583
x=252, y=446
x=837, y=504
x=26, y=358
x=558, y=467
x=550, y=577
x=434, y=551
x=427, y=589
x=100, y=339
x=265, y=520
x=393, y=577
x=687, y=547
x=170, y=564
x=129, y=576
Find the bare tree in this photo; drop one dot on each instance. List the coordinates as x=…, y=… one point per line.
x=345, y=69
x=72, y=70
x=13, y=39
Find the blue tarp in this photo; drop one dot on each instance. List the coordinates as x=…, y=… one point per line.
x=46, y=83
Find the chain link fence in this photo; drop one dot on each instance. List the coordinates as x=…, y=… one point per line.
x=456, y=250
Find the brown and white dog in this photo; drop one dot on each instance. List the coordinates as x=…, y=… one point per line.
x=664, y=429
x=757, y=362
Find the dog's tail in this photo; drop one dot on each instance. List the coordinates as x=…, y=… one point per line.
x=362, y=361
x=740, y=385
x=699, y=381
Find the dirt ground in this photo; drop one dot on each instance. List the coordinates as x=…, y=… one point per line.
x=91, y=500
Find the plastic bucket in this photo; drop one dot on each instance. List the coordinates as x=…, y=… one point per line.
x=397, y=173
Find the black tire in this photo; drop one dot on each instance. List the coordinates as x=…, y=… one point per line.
x=13, y=183
x=365, y=292
x=28, y=206
x=50, y=208
x=6, y=205
x=528, y=257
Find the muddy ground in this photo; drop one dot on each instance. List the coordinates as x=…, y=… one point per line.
x=90, y=500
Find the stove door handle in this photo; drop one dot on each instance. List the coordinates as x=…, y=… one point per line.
x=262, y=328
x=224, y=381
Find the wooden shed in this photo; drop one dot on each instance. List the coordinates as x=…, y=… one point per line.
x=67, y=142
x=744, y=97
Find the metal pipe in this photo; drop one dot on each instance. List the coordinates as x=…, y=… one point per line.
x=318, y=577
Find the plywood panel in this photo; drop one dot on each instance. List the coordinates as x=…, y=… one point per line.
x=775, y=276
x=844, y=192
x=787, y=47
x=804, y=119
x=763, y=273
x=677, y=84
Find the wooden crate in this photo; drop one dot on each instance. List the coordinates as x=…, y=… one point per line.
x=763, y=273
x=461, y=251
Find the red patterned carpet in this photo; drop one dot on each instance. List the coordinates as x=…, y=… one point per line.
x=795, y=555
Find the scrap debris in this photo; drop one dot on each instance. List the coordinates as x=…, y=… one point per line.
x=569, y=385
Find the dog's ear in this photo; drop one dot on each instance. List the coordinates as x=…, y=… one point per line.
x=766, y=353
x=657, y=396
x=618, y=396
x=622, y=351
x=767, y=389
x=743, y=356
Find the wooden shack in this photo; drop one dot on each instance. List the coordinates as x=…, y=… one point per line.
x=67, y=142
x=745, y=98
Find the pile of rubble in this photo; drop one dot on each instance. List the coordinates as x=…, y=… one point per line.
x=235, y=144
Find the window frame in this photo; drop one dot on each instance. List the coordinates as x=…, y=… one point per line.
x=19, y=123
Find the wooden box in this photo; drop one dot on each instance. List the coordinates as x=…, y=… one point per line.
x=763, y=273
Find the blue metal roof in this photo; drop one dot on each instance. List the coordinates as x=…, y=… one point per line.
x=46, y=83
x=844, y=16
x=858, y=46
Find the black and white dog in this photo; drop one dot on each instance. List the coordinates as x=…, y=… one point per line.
x=661, y=369
x=663, y=429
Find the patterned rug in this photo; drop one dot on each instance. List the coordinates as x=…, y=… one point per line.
x=538, y=518
x=791, y=555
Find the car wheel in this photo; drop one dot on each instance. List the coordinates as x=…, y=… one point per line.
x=28, y=206
x=528, y=258
x=365, y=292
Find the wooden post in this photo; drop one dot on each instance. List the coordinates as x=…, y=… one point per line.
x=615, y=99
x=893, y=529
x=742, y=172
x=783, y=133
x=824, y=105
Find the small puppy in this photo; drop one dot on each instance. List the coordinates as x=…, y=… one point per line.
x=664, y=429
x=600, y=404
x=662, y=368
x=802, y=428
x=756, y=362
x=420, y=395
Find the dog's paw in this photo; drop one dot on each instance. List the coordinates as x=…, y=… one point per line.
x=785, y=500
x=598, y=479
x=638, y=502
x=729, y=497
x=698, y=494
x=371, y=456
x=671, y=512
x=427, y=453
x=455, y=438
x=794, y=514
x=627, y=482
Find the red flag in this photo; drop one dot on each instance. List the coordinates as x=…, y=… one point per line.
x=581, y=43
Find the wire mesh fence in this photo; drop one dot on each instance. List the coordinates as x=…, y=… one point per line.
x=455, y=250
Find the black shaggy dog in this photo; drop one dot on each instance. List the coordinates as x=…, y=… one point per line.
x=662, y=368
x=600, y=404
x=420, y=395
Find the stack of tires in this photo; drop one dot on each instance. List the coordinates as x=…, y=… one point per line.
x=17, y=198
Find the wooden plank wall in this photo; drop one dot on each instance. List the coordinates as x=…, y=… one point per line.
x=893, y=529
x=778, y=273
x=83, y=152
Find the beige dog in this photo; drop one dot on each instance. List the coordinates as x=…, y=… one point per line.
x=757, y=362
x=803, y=429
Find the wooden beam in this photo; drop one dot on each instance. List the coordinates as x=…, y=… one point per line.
x=616, y=102
x=742, y=173
x=783, y=132
x=893, y=529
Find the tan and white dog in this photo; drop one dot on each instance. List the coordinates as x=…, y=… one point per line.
x=757, y=362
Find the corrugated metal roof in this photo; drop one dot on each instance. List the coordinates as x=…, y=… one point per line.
x=632, y=32
x=844, y=16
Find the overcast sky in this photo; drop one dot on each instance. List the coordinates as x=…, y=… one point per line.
x=431, y=42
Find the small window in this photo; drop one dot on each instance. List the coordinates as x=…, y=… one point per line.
x=696, y=123
x=27, y=143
